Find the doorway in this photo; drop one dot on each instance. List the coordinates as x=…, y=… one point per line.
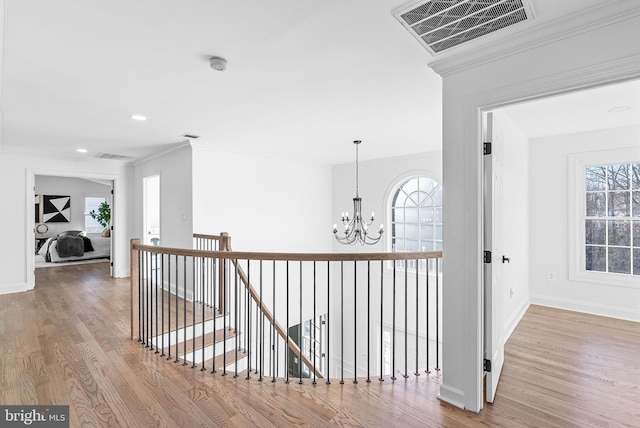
x=59, y=206
x=151, y=209
x=536, y=139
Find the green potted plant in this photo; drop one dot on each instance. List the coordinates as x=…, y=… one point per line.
x=103, y=217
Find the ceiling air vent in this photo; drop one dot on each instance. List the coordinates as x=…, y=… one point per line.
x=191, y=136
x=113, y=157
x=443, y=24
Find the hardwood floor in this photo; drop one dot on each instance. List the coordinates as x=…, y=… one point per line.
x=67, y=342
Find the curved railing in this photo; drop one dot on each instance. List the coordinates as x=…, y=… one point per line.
x=288, y=315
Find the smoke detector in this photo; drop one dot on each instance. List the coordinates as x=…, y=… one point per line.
x=442, y=24
x=218, y=63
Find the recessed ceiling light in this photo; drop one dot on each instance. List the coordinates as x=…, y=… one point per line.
x=81, y=150
x=619, y=109
x=138, y=117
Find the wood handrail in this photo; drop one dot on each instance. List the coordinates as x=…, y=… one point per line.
x=267, y=313
x=203, y=236
x=305, y=257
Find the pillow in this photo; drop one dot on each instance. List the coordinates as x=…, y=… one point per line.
x=69, y=246
x=87, y=244
x=71, y=233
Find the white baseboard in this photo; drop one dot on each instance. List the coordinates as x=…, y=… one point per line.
x=13, y=288
x=452, y=396
x=588, y=307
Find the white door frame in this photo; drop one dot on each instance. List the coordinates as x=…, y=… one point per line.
x=30, y=209
x=463, y=377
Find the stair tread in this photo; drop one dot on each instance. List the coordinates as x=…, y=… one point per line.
x=208, y=341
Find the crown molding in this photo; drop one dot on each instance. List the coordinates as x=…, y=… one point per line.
x=538, y=35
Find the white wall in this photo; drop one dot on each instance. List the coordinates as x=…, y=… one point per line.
x=17, y=173
x=268, y=205
x=553, y=61
x=550, y=245
x=78, y=189
x=265, y=204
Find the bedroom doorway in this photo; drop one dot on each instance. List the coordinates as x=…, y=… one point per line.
x=151, y=207
x=62, y=207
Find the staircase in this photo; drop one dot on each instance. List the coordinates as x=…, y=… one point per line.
x=199, y=345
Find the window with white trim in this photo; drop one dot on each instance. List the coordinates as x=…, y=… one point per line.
x=612, y=218
x=604, y=217
x=416, y=215
x=92, y=203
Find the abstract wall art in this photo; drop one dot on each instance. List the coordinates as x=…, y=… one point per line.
x=56, y=209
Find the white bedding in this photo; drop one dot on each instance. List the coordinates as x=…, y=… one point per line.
x=101, y=247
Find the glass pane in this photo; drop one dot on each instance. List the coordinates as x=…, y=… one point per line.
x=397, y=215
x=636, y=204
x=596, y=178
x=635, y=176
x=412, y=200
x=398, y=231
x=411, y=245
x=619, y=233
x=427, y=245
x=595, y=232
x=399, y=245
x=426, y=232
x=595, y=259
x=636, y=261
x=439, y=231
x=596, y=204
x=411, y=231
x=618, y=177
x=439, y=215
x=620, y=260
x=424, y=200
x=426, y=215
x=427, y=184
x=410, y=186
x=399, y=199
x=437, y=196
x=411, y=215
x=92, y=204
x=438, y=246
x=619, y=204
x=636, y=233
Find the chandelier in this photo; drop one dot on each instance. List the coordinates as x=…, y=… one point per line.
x=356, y=229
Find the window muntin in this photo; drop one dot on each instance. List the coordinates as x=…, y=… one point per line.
x=416, y=216
x=91, y=203
x=612, y=218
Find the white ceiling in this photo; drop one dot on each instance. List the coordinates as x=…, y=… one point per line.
x=304, y=78
x=612, y=106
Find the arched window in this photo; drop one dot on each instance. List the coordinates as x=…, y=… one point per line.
x=416, y=216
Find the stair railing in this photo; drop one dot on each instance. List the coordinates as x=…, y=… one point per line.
x=233, y=310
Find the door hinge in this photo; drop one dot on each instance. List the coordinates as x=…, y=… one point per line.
x=487, y=256
x=486, y=148
x=487, y=365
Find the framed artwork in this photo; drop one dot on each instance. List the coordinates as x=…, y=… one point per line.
x=56, y=209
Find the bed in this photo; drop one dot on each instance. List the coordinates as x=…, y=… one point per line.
x=75, y=245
